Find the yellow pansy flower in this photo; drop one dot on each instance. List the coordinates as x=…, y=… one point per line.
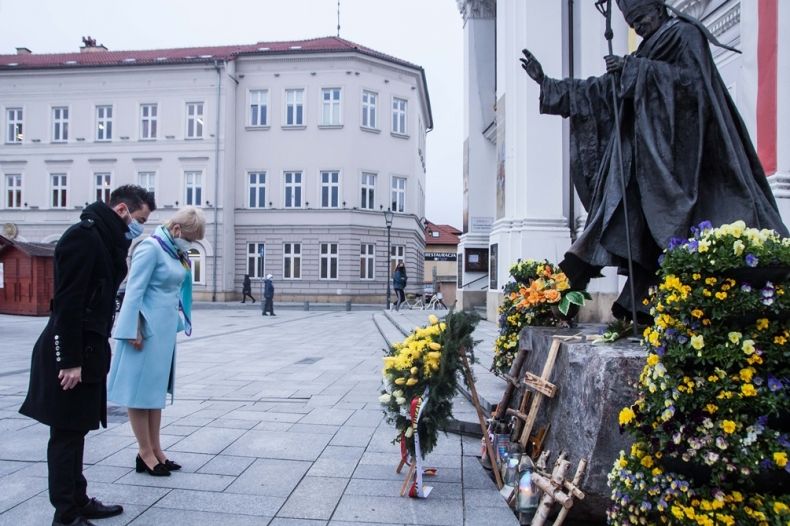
x=626, y=416
x=780, y=459
x=748, y=390
x=698, y=342
x=748, y=346
x=728, y=426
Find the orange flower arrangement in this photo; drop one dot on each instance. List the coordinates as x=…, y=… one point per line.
x=552, y=288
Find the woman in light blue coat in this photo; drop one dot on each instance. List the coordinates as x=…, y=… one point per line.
x=156, y=306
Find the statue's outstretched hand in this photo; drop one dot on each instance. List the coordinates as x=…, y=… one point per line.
x=532, y=66
x=614, y=63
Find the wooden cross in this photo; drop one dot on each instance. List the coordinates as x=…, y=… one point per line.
x=541, y=386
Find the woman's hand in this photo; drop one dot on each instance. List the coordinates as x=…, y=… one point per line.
x=137, y=343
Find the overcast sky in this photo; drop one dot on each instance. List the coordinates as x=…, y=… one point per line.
x=425, y=32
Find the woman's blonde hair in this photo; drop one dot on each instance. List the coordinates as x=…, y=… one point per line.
x=191, y=220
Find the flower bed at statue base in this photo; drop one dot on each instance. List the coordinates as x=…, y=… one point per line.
x=711, y=419
x=426, y=362
x=538, y=295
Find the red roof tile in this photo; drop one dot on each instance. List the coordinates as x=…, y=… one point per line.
x=187, y=55
x=448, y=235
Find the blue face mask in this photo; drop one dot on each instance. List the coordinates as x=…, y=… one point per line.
x=135, y=229
x=182, y=244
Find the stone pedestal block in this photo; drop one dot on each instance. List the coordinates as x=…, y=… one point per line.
x=594, y=382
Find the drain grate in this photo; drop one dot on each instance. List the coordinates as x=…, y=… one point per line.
x=308, y=361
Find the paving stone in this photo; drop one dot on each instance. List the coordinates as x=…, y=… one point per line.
x=233, y=423
x=336, y=461
x=158, y=516
x=210, y=440
x=439, y=461
x=117, y=493
x=314, y=428
x=8, y=466
x=175, y=429
x=355, y=508
x=287, y=445
x=345, y=523
x=481, y=498
x=283, y=521
x=221, y=502
x=391, y=488
x=362, y=418
x=334, y=417
x=101, y=473
x=272, y=477
x=352, y=436
x=190, y=462
x=378, y=472
x=314, y=498
x=475, y=477
x=38, y=510
x=501, y=516
x=226, y=465
x=17, y=488
x=180, y=480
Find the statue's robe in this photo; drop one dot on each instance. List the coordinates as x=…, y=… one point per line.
x=687, y=155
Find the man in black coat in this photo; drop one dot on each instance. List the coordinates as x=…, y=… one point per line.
x=268, y=295
x=71, y=358
x=686, y=153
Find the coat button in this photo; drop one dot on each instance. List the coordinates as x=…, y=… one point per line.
x=57, y=337
x=57, y=359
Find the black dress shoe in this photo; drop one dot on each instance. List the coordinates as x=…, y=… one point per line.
x=160, y=470
x=172, y=466
x=79, y=521
x=94, y=509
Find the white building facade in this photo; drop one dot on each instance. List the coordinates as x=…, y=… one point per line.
x=293, y=149
x=518, y=201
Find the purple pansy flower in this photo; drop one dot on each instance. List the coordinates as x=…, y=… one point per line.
x=675, y=242
x=774, y=384
x=751, y=260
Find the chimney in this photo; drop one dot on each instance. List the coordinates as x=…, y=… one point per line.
x=23, y=51
x=89, y=45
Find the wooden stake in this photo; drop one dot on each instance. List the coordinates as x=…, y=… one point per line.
x=577, y=478
x=554, y=494
x=476, y=402
x=515, y=370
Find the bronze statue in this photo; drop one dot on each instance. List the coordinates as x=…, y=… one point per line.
x=686, y=154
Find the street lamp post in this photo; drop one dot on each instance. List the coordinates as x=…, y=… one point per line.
x=388, y=215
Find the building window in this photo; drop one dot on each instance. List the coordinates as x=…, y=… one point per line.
x=14, y=126
x=13, y=187
x=194, y=188
x=103, y=188
x=399, y=116
x=196, y=261
x=330, y=189
x=148, y=120
x=397, y=255
x=59, y=190
x=148, y=181
x=194, y=120
x=257, y=190
x=329, y=261
x=255, y=260
x=103, y=123
x=398, y=200
x=330, y=101
x=367, y=261
x=292, y=261
x=294, y=107
x=60, y=124
x=259, y=107
x=368, y=191
x=293, y=189
x=369, y=101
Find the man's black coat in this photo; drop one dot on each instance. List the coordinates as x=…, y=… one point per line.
x=90, y=264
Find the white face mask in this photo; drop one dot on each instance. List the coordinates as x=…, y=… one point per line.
x=182, y=244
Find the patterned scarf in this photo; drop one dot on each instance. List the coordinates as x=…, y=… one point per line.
x=166, y=242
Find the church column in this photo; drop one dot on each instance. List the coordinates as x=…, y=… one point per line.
x=478, y=148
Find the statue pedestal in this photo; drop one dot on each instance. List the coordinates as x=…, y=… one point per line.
x=594, y=382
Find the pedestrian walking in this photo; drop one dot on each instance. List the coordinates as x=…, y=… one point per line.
x=268, y=295
x=158, y=305
x=68, y=371
x=399, y=280
x=246, y=289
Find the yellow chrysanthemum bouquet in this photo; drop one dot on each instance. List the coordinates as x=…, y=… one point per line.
x=428, y=358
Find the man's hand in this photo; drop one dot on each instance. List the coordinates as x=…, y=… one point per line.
x=137, y=343
x=69, y=378
x=532, y=66
x=614, y=63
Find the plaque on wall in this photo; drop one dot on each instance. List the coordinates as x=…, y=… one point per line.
x=482, y=224
x=476, y=260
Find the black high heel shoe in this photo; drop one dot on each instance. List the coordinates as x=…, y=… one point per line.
x=172, y=466
x=160, y=470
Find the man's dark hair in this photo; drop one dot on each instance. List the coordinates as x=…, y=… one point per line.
x=132, y=196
